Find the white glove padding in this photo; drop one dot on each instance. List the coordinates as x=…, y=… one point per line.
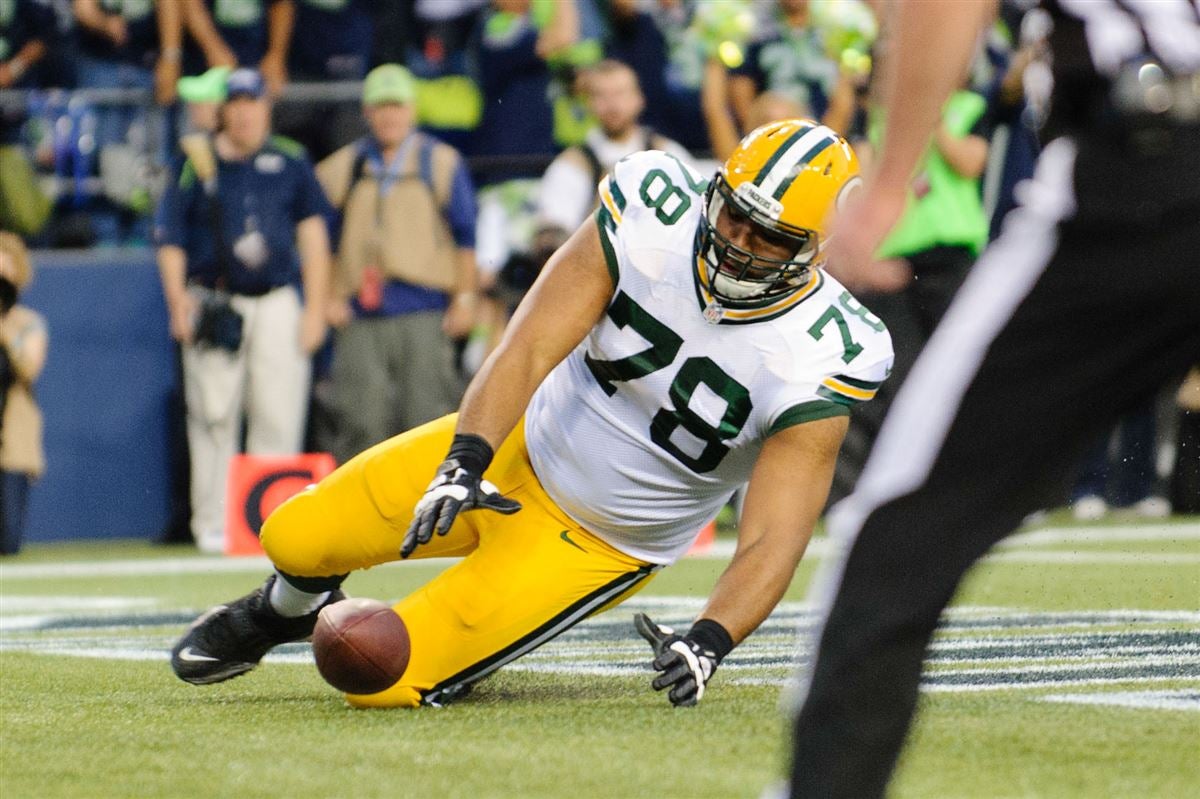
x=684, y=665
x=453, y=490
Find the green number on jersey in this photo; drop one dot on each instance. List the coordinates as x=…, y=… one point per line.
x=668, y=200
x=737, y=410
x=832, y=314
x=856, y=308
x=664, y=346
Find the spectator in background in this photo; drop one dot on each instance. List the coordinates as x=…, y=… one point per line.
x=932, y=246
x=1128, y=477
x=26, y=31
x=568, y=189
x=203, y=96
x=1017, y=112
x=404, y=283
x=241, y=227
x=515, y=138
x=722, y=128
x=331, y=41
x=23, y=346
x=246, y=33
x=436, y=44
x=657, y=40
x=789, y=58
x=128, y=45
x=1185, y=474
x=515, y=79
x=635, y=38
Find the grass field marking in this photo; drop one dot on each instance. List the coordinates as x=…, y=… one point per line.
x=1099, y=682
x=1095, y=535
x=58, y=602
x=1154, y=700
x=723, y=548
x=1076, y=556
x=159, y=567
x=1067, y=668
x=1029, y=650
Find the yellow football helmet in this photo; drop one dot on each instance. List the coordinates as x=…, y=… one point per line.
x=787, y=178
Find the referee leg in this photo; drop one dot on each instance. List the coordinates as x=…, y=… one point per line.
x=1031, y=363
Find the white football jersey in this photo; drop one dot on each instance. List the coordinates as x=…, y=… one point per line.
x=645, y=430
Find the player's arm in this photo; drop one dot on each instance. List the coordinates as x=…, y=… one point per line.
x=565, y=302
x=786, y=494
x=931, y=45
x=785, y=497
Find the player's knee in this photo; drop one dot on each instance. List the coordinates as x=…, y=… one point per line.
x=399, y=695
x=292, y=536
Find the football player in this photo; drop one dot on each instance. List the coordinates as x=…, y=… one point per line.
x=682, y=344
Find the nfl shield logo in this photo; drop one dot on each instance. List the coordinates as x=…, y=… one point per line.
x=713, y=313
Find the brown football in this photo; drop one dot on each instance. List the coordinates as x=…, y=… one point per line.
x=361, y=645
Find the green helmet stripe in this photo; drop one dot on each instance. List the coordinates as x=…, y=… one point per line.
x=783, y=148
x=795, y=171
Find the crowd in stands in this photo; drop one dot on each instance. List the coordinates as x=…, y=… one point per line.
x=519, y=107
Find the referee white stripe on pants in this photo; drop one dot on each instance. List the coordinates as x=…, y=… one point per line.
x=1070, y=319
x=266, y=382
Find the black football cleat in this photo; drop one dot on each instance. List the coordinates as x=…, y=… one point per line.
x=231, y=639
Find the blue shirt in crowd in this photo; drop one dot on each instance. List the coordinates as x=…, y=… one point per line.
x=141, y=42
x=515, y=82
x=243, y=26
x=332, y=39
x=268, y=193
x=792, y=63
x=21, y=22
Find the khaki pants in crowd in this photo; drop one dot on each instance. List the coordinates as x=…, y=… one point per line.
x=267, y=380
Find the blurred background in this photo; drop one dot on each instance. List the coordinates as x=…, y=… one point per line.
x=538, y=98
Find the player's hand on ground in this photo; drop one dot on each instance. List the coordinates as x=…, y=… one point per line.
x=455, y=489
x=683, y=665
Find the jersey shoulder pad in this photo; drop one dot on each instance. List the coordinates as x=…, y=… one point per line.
x=868, y=345
x=649, y=185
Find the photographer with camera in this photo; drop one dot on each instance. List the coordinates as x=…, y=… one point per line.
x=243, y=252
x=23, y=346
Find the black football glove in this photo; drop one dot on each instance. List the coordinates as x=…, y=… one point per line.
x=457, y=487
x=685, y=662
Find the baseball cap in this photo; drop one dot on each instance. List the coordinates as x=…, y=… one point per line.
x=245, y=83
x=206, y=88
x=389, y=83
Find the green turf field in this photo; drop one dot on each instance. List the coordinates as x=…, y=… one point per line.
x=1069, y=666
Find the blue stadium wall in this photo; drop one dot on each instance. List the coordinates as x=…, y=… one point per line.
x=106, y=394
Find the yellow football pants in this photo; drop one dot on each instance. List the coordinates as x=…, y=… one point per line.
x=524, y=579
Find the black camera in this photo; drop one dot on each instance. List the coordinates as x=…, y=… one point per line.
x=218, y=324
x=8, y=295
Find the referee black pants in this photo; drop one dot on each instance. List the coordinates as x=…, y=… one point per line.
x=1072, y=317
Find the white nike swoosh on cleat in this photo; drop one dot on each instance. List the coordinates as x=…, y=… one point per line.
x=188, y=655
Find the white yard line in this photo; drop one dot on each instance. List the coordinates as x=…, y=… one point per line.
x=1096, y=535
x=1156, y=700
x=1026, y=543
